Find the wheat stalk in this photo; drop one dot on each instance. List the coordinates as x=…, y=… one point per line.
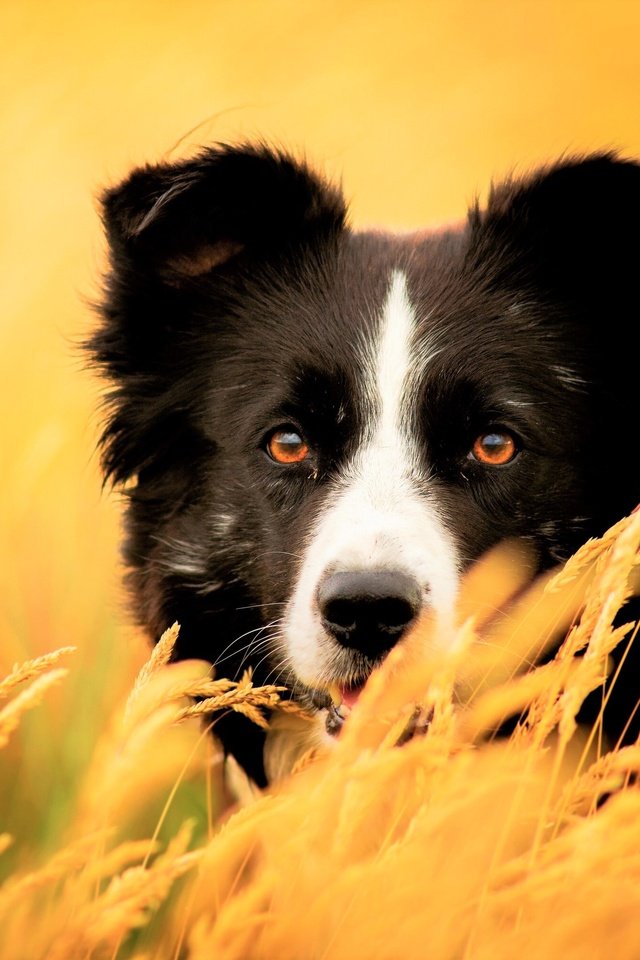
x=127, y=902
x=242, y=697
x=160, y=657
x=608, y=774
x=65, y=862
x=12, y=713
x=22, y=672
x=615, y=558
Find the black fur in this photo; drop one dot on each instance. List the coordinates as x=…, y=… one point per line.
x=234, y=301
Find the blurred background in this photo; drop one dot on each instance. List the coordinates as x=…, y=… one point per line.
x=415, y=106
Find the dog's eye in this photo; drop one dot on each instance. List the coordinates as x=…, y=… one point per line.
x=285, y=445
x=495, y=448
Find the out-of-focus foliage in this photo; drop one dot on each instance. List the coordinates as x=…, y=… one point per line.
x=377, y=847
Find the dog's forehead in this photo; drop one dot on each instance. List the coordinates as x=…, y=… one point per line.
x=331, y=301
x=323, y=321
x=454, y=309
x=429, y=262
x=423, y=287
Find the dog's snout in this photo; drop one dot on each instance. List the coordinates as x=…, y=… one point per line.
x=368, y=610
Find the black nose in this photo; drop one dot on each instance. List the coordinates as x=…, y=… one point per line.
x=368, y=610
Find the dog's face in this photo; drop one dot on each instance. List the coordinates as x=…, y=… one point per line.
x=322, y=429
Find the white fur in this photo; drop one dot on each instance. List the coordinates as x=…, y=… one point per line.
x=380, y=514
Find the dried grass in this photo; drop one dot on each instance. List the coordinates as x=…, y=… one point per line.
x=451, y=845
x=31, y=669
x=12, y=713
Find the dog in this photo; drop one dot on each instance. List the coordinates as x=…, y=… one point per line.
x=319, y=429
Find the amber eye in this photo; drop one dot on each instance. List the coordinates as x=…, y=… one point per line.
x=287, y=446
x=494, y=448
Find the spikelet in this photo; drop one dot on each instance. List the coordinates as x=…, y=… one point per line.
x=160, y=709
x=612, y=590
x=589, y=552
x=493, y=707
x=12, y=713
x=524, y=631
x=241, y=697
x=606, y=775
x=613, y=559
x=129, y=896
x=5, y=842
x=127, y=763
x=581, y=900
x=61, y=865
x=30, y=669
x=100, y=925
x=38, y=670
x=160, y=657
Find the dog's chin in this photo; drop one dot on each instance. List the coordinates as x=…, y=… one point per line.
x=290, y=737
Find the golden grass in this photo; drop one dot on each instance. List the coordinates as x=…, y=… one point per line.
x=451, y=845
x=465, y=90
x=11, y=714
x=30, y=669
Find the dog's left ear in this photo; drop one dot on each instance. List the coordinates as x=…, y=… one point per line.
x=571, y=228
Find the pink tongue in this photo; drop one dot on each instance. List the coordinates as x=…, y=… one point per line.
x=350, y=695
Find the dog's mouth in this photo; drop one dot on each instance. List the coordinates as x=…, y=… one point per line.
x=343, y=700
x=349, y=695
x=338, y=702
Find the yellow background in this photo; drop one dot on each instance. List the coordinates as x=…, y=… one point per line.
x=415, y=105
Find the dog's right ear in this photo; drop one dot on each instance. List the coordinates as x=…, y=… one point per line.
x=183, y=220
x=170, y=228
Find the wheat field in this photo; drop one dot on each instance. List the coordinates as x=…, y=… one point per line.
x=415, y=106
x=449, y=842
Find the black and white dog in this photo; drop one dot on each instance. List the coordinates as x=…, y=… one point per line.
x=320, y=429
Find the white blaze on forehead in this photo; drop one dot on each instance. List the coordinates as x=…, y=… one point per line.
x=380, y=515
x=393, y=360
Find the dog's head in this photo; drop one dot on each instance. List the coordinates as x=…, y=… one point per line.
x=321, y=428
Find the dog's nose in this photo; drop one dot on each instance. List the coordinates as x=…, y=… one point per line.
x=368, y=610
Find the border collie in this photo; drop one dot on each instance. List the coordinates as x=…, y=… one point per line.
x=320, y=429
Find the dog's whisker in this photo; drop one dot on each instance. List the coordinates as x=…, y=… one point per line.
x=278, y=553
x=248, y=648
x=229, y=647
x=257, y=665
x=252, y=647
x=259, y=606
x=265, y=643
